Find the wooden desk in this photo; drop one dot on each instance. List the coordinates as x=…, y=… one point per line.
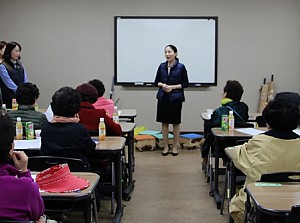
x=128, y=133
x=274, y=199
x=220, y=136
x=113, y=145
x=127, y=114
x=88, y=194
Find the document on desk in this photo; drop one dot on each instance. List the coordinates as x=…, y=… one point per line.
x=297, y=131
x=28, y=144
x=250, y=131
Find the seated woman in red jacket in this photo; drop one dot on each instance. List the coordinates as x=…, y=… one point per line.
x=90, y=116
x=20, y=196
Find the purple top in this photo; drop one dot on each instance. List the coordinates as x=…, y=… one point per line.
x=20, y=198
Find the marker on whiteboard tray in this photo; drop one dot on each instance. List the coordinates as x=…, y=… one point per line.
x=139, y=83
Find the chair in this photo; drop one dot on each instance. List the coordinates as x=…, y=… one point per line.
x=294, y=216
x=289, y=176
x=260, y=121
x=11, y=221
x=40, y=163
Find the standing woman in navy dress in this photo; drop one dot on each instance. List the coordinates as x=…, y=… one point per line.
x=171, y=78
x=12, y=72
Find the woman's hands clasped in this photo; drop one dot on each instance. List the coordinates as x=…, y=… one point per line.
x=20, y=160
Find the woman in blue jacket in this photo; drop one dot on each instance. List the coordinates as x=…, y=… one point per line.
x=171, y=78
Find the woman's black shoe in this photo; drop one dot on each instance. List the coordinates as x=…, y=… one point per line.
x=164, y=154
x=174, y=154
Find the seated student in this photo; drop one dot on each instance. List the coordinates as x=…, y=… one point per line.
x=20, y=196
x=276, y=150
x=89, y=116
x=231, y=101
x=102, y=102
x=64, y=136
x=26, y=96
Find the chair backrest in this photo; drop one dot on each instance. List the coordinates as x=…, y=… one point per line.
x=291, y=176
x=294, y=216
x=244, y=125
x=260, y=121
x=39, y=163
x=11, y=221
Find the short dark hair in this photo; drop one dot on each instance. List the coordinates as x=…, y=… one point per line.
x=282, y=114
x=2, y=44
x=9, y=47
x=87, y=92
x=99, y=86
x=292, y=96
x=66, y=102
x=7, y=134
x=234, y=90
x=27, y=93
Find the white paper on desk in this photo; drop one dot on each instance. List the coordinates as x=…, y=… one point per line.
x=250, y=131
x=28, y=144
x=297, y=131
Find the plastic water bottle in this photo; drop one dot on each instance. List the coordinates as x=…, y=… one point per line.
x=3, y=109
x=230, y=121
x=102, y=130
x=19, y=129
x=116, y=115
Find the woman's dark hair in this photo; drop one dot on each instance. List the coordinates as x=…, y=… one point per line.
x=234, y=90
x=2, y=44
x=7, y=134
x=99, y=86
x=282, y=114
x=27, y=93
x=9, y=47
x=88, y=93
x=174, y=48
x=66, y=102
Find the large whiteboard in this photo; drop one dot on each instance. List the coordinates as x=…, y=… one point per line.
x=140, y=43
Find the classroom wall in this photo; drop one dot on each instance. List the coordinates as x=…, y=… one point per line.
x=68, y=42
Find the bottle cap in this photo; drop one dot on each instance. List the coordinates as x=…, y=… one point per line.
x=101, y=119
x=230, y=112
x=18, y=119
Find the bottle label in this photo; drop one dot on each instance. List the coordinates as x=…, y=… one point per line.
x=224, y=123
x=102, y=131
x=19, y=131
x=29, y=128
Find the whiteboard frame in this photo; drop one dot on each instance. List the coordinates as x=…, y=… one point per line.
x=119, y=77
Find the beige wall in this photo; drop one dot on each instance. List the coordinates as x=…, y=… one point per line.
x=67, y=42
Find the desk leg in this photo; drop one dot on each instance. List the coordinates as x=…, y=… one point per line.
x=127, y=191
x=216, y=193
x=232, y=184
x=118, y=167
x=87, y=211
